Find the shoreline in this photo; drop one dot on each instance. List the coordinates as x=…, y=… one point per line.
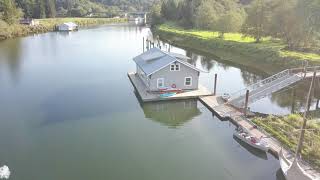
x=48, y=25
x=268, y=57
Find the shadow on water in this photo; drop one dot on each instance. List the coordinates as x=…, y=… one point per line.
x=279, y=175
x=173, y=113
x=255, y=152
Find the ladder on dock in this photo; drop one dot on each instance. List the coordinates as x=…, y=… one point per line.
x=270, y=85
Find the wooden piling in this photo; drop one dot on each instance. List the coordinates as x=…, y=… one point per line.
x=142, y=44
x=293, y=99
x=215, y=84
x=246, y=103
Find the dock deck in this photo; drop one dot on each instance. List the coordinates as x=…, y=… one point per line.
x=147, y=96
x=225, y=111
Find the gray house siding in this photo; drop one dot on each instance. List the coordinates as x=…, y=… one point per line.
x=175, y=77
x=143, y=77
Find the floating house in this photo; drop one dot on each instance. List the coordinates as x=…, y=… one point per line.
x=69, y=26
x=29, y=22
x=160, y=70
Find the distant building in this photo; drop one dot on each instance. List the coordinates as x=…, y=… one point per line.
x=164, y=70
x=29, y=22
x=69, y=26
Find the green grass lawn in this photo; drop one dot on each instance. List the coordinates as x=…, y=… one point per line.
x=287, y=130
x=269, y=49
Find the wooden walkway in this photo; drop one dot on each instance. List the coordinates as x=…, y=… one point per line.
x=225, y=111
x=270, y=85
x=147, y=96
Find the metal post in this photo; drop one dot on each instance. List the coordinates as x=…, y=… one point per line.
x=142, y=44
x=215, y=84
x=246, y=103
x=303, y=127
x=293, y=99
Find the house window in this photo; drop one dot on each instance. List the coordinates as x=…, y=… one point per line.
x=174, y=67
x=160, y=83
x=177, y=67
x=188, y=81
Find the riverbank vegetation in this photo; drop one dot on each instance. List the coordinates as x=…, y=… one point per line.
x=275, y=31
x=46, y=25
x=270, y=55
x=12, y=11
x=287, y=130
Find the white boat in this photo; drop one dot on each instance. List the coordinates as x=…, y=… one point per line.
x=292, y=170
x=259, y=144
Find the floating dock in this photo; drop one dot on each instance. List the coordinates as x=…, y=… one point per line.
x=147, y=96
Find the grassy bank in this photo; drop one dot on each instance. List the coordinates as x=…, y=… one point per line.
x=286, y=130
x=268, y=56
x=47, y=25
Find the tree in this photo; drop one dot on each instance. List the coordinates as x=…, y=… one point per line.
x=186, y=13
x=285, y=24
x=51, y=8
x=258, y=19
x=169, y=10
x=155, y=14
x=27, y=6
x=11, y=14
x=232, y=21
x=206, y=16
x=308, y=11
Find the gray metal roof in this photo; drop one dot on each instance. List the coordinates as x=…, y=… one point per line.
x=155, y=59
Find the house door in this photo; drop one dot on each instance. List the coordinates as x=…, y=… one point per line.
x=160, y=83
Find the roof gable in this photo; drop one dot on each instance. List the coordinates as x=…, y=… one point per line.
x=155, y=59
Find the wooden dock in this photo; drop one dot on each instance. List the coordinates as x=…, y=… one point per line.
x=147, y=96
x=225, y=111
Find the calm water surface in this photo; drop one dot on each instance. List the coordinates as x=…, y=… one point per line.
x=68, y=111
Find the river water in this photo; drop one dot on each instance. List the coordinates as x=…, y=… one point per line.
x=68, y=111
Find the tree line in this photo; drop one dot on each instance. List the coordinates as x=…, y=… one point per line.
x=12, y=10
x=296, y=22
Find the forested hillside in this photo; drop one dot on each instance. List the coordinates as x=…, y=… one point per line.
x=72, y=8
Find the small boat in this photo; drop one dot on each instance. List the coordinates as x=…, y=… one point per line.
x=225, y=96
x=257, y=143
x=291, y=168
x=166, y=95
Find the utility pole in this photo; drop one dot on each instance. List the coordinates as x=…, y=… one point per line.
x=303, y=127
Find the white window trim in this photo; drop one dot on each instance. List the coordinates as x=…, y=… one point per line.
x=162, y=79
x=185, y=81
x=174, y=67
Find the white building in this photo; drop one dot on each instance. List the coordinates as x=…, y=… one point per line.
x=69, y=26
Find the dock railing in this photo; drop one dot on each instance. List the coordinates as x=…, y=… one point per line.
x=269, y=80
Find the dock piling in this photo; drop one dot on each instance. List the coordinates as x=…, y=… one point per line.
x=215, y=84
x=246, y=103
x=142, y=44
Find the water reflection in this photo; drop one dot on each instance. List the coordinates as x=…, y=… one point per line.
x=79, y=102
x=10, y=56
x=253, y=151
x=171, y=113
x=294, y=97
